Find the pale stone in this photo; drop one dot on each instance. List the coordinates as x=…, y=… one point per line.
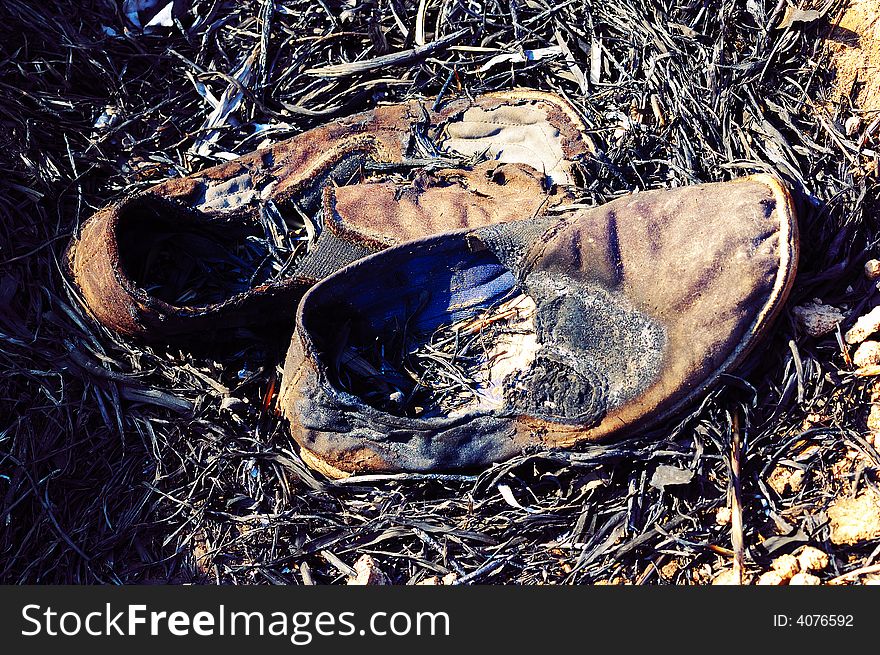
x=817, y=319
x=812, y=559
x=786, y=566
x=804, y=579
x=368, y=572
x=855, y=520
x=865, y=326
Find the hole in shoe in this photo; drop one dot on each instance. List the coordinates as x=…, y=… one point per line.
x=425, y=337
x=452, y=326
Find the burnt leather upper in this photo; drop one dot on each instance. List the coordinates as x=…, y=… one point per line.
x=646, y=300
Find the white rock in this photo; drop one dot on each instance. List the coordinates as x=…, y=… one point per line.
x=812, y=559
x=770, y=578
x=449, y=578
x=726, y=577
x=873, y=421
x=780, y=479
x=368, y=573
x=872, y=269
x=786, y=566
x=855, y=520
x=865, y=326
x=804, y=579
x=852, y=125
x=867, y=354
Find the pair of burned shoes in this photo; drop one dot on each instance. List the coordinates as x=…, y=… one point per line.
x=450, y=308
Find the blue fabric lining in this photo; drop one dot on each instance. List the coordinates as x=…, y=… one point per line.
x=423, y=289
x=470, y=290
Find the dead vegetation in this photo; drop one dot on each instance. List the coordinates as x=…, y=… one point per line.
x=121, y=462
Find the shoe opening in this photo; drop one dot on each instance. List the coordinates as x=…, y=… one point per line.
x=186, y=257
x=430, y=335
x=454, y=325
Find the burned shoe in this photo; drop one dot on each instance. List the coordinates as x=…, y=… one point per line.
x=238, y=244
x=465, y=348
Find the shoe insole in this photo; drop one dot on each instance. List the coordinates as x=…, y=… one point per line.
x=511, y=134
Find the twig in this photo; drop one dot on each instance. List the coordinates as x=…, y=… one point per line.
x=487, y=568
x=736, y=524
x=392, y=59
x=854, y=574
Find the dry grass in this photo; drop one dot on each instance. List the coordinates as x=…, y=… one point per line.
x=125, y=463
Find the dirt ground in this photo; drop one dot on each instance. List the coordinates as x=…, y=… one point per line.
x=854, y=48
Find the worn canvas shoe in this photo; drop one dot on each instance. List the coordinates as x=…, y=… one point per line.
x=239, y=243
x=465, y=348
